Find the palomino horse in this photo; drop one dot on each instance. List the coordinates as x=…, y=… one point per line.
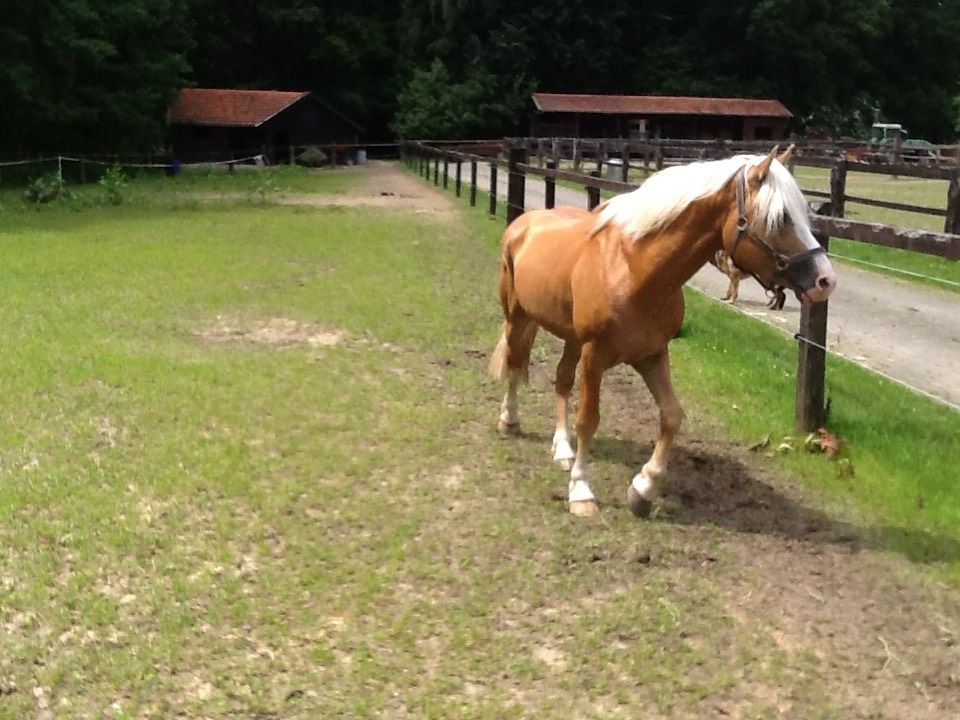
x=724, y=263
x=609, y=284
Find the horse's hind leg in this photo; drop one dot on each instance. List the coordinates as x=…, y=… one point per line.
x=580, y=497
x=566, y=373
x=510, y=362
x=656, y=374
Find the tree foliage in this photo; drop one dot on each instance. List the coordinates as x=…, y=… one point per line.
x=98, y=74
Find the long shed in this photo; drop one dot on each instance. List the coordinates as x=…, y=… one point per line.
x=649, y=116
x=223, y=124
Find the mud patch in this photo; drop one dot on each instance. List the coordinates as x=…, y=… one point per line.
x=273, y=332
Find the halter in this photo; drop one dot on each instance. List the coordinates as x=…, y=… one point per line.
x=782, y=263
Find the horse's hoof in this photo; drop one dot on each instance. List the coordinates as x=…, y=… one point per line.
x=508, y=428
x=638, y=504
x=584, y=508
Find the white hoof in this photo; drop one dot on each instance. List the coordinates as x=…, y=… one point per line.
x=584, y=508
x=581, y=499
x=563, y=454
x=640, y=496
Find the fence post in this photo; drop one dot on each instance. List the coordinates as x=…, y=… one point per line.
x=550, y=187
x=446, y=168
x=593, y=193
x=810, y=411
x=625, y=157
x=517, y=181
x=436, y=170
x=493, y=187
x=473, y=182
x=601, y=156
x=952, y=223
x=576, y=154
x=457, y=177
x=838, y=187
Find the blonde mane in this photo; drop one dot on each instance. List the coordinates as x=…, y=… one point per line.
x=664, y=196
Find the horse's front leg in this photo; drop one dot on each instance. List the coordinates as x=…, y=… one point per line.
x=655, y=371
x=566, y=374
x=581, y=499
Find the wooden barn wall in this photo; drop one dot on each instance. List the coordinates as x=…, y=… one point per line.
x=308, y=122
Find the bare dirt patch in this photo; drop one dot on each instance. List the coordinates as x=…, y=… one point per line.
x=273, y=332
x=384, y=185
x=870, y=626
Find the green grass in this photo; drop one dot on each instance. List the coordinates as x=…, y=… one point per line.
x=904, y=450
x=194, y=523
x=245, y=184
x=931, y=193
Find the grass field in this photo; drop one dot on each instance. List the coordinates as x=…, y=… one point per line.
x=249, y=468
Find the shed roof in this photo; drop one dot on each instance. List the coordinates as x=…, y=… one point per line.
x=659, y=105
x=237, y=108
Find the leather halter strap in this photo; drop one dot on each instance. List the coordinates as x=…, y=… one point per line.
x=781, y=261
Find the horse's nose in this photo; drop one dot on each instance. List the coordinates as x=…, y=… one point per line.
x=825, y=283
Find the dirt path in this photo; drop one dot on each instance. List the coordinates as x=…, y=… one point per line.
x=907, y=331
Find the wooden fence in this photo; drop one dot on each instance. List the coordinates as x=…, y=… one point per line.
x=812, y=332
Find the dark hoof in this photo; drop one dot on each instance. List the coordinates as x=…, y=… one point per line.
x=508, y=428
x=638, y=505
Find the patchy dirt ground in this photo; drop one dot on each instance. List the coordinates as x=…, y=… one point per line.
x=383, y=186
x=881, y=634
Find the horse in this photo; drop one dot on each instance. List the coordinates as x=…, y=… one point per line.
x=609, y=283
x=724, y=263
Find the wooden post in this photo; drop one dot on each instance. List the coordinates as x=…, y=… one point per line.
x=576, y=154
x=601, y=156
x=555, y=153
x=952, y=223
x=540, y=152
x=493, y=187
x=812, y=363
x=436, y=171
x=457, y=178
x=838, y=187
x=550, y=187
x=897, y=148
x=292, y=155
x=473, y=183
x=517, y=181
x=446, y=170
x=658, y=157
x=625, y=156
x=593, y=193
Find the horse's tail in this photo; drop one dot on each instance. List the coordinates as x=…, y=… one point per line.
x=512, y=237
x=498, y=361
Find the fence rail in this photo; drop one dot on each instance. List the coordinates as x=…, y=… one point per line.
x=812, y=332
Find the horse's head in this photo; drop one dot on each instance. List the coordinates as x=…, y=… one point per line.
x=767, y=233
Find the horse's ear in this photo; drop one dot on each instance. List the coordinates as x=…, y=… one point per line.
x=759, y=172
x=784, y=157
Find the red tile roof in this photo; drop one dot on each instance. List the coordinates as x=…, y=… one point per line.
x=659, y=105
x=238, y=108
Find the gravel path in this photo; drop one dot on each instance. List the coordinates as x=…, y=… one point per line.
x=907, y=331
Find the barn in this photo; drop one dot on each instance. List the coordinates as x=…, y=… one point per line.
x=658, y=116
x=224, y=124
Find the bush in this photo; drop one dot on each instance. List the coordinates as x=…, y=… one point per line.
x=113, y=181
x=46, y=188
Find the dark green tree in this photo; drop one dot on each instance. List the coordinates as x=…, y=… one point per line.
x=90, y=74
